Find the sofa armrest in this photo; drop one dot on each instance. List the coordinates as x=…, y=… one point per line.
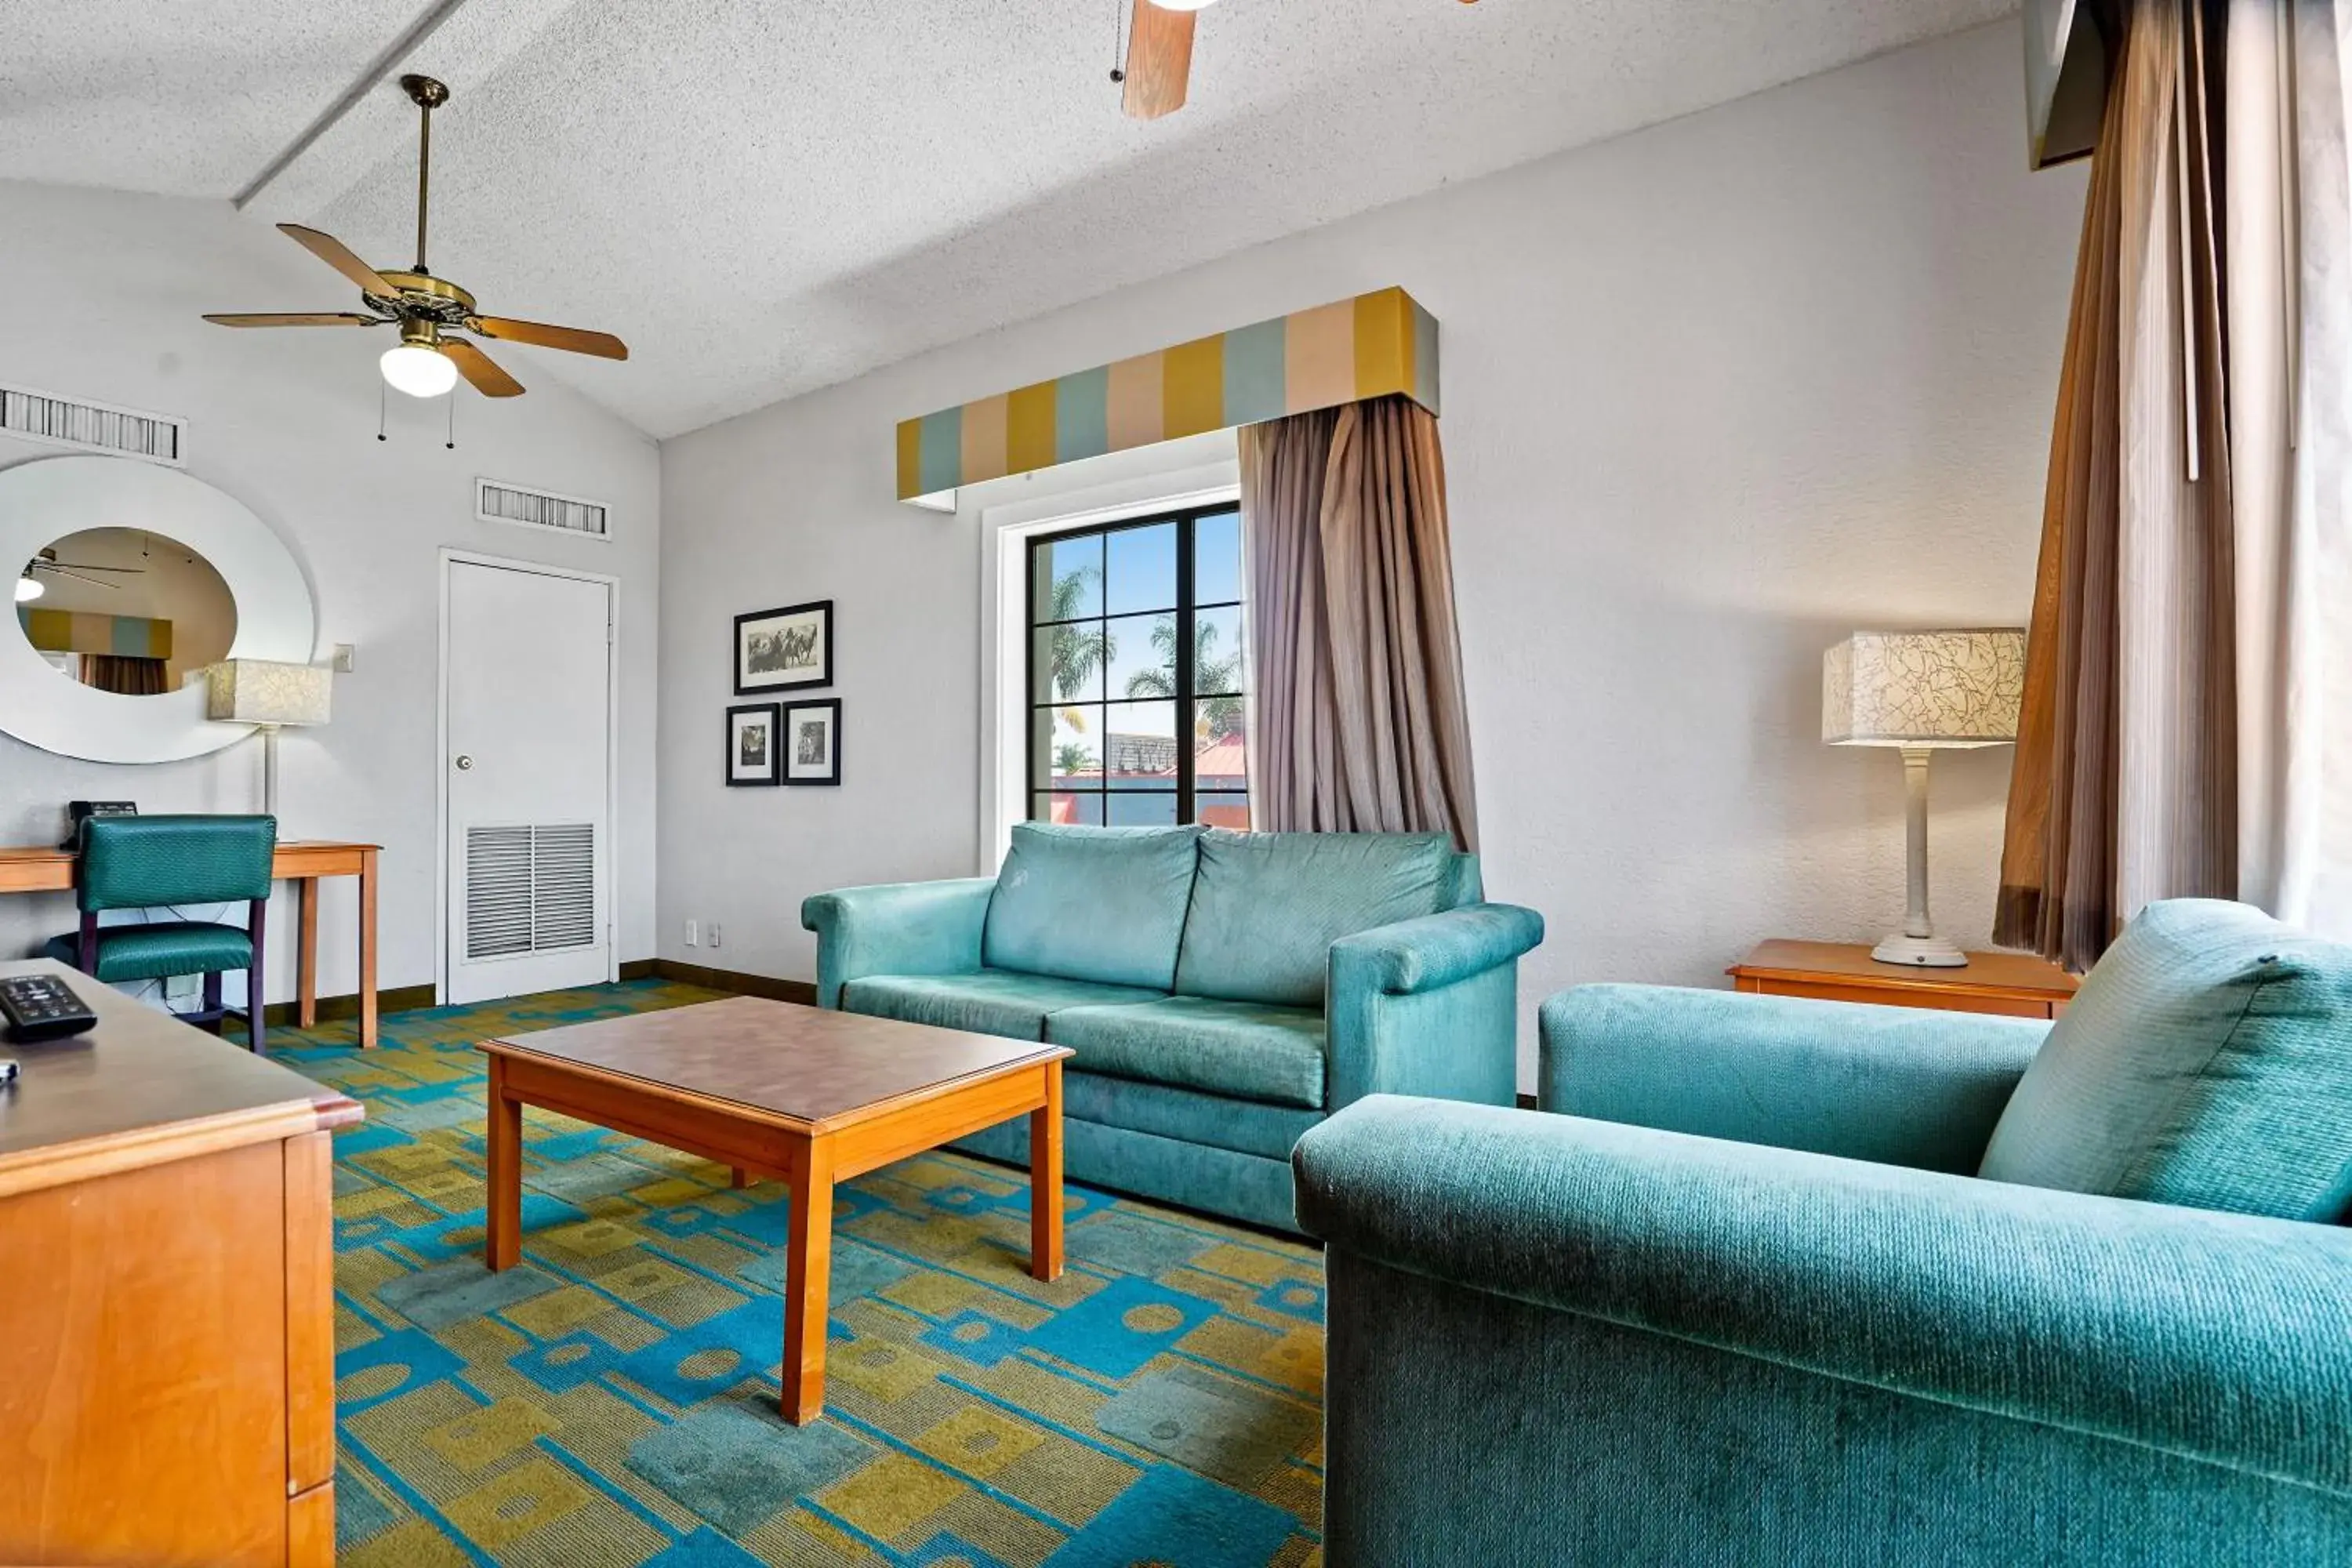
x=2215, y=1336
x=1435, y=950
x=1902, y=1086
x=899, y=928
x=1429, y=1006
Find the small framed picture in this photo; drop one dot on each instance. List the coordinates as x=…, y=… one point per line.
x=813, y=741
x=779, y=650
x=752, y=734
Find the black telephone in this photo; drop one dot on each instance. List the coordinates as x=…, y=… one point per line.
x=80, y=811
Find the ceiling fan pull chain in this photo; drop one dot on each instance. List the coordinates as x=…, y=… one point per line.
x=379, y=409
x=1119, y=42
x=452, y=442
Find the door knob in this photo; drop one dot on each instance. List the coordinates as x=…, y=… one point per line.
x=464, y=764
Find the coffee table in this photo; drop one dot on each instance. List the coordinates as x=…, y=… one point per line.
x=804, y=1096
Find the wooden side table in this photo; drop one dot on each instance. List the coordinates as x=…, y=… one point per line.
x=2015, y=984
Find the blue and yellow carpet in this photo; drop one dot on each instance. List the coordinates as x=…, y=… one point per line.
x=613, y=1400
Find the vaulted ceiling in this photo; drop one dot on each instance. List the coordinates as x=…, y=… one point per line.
x=766, y=196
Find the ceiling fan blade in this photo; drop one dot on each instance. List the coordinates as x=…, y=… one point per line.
x=480, y=369
x=93, y=582
x=89, y=566
x=578, y=340
x=301, y=319
x=338, y=255
x=1159, y=60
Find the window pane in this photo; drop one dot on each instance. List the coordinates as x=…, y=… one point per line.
x=1220, y=752
x=1219, y=662
x=1065, y=745
x=1217, y=558
x=1143, y=657
x=1222, y=811
x=1142, y=574
x=1133, y=808
x=1067, y=577
x=1139, y=745
x=1066, y=663
x=1079, y=808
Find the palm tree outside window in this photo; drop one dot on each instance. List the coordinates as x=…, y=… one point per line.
x=1138, y=673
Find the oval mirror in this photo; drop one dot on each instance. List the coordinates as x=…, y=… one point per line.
x=191, y=576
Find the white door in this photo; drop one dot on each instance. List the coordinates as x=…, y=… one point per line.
x=527, y=694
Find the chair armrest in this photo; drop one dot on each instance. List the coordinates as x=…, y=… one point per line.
x=1429, y=1006
x=899, y=928
x=1435, y=950
x=1901, y=1086
x=2215, y=1336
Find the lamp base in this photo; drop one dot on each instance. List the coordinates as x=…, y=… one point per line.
x=1920, y=952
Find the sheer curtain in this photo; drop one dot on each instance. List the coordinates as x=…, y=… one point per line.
x=1359, y=722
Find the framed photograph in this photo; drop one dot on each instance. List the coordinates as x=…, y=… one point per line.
x=812, y=735
x=751, y=739
x=777, y=651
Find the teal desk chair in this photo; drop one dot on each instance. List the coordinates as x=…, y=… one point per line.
x=159, y=862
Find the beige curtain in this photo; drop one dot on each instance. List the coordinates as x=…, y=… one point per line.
x=1357, y=722
x=2125, y=784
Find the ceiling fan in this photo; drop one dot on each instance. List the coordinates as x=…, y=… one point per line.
x=1159, y=55
x=29, y=587
x=429, y=312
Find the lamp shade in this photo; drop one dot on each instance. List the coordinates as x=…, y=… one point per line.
x=263, y=691
x=1924, y=688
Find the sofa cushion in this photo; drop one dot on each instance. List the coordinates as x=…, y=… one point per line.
x=1092, y=903
x=2206, y=1060
x=991, y=1002
x=159, y=949
x=1266, y=907
x=1245, y=1050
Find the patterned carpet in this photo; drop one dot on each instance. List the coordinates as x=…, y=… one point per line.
x=613, y=1400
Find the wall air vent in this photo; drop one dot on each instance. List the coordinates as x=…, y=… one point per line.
x=529, y=887
x=92, y=426
x=495, y=501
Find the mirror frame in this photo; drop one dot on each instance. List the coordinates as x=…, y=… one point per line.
x=46, y=498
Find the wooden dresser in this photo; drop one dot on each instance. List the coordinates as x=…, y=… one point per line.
x=2016, y=983
x=166, y=1297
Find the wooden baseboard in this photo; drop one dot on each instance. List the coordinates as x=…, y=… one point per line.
x=334, y=1009
x=800, y=991
x=1526, y=1102
x=640, y=969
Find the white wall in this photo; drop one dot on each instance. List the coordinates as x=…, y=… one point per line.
x=110, y=288
x=1716, y=393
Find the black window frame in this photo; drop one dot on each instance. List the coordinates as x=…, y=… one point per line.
x=1037, y=772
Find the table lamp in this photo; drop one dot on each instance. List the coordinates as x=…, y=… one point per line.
x=1922, y=692
x=270, y=695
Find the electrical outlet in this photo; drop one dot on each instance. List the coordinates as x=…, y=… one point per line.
x=714, y=933
x=694, y=934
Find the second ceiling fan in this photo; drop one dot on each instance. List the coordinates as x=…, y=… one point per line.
x=431, y=312
x=1158, y=66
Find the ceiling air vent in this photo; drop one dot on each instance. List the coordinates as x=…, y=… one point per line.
x=92, y=426
x=495, y=501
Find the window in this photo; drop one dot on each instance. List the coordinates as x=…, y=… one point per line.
x=1135, y=640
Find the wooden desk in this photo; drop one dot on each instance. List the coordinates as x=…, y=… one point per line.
x=45, y=868
x=166, y=1297
x=2015, y=983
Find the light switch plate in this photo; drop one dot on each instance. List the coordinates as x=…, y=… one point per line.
x=347, y=656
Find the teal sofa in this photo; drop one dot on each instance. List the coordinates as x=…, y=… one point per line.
x=1222, y=992
x=1770, y=1282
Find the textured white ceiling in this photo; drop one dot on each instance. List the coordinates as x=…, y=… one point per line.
x=764, y=198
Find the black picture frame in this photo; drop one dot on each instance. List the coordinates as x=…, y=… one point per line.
x=786, y=762
x=749, y=681
x=735, y=775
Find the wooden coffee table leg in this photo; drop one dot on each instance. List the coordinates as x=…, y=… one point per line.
x=808, y=1270
x=503, y=1244
x=1045, y=1180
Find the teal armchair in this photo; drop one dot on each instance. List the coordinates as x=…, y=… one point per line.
x=147, y=863
x=1222, y=992
x=1738, y=1296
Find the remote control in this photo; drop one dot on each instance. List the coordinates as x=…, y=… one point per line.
x=39, y=1008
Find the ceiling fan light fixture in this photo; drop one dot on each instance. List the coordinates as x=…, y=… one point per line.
x=30, y=588
x=418, y=371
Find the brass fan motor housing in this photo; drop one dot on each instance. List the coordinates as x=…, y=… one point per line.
x=424, y=296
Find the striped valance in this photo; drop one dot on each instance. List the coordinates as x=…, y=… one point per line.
x=1370, y=346
x=73, y=631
